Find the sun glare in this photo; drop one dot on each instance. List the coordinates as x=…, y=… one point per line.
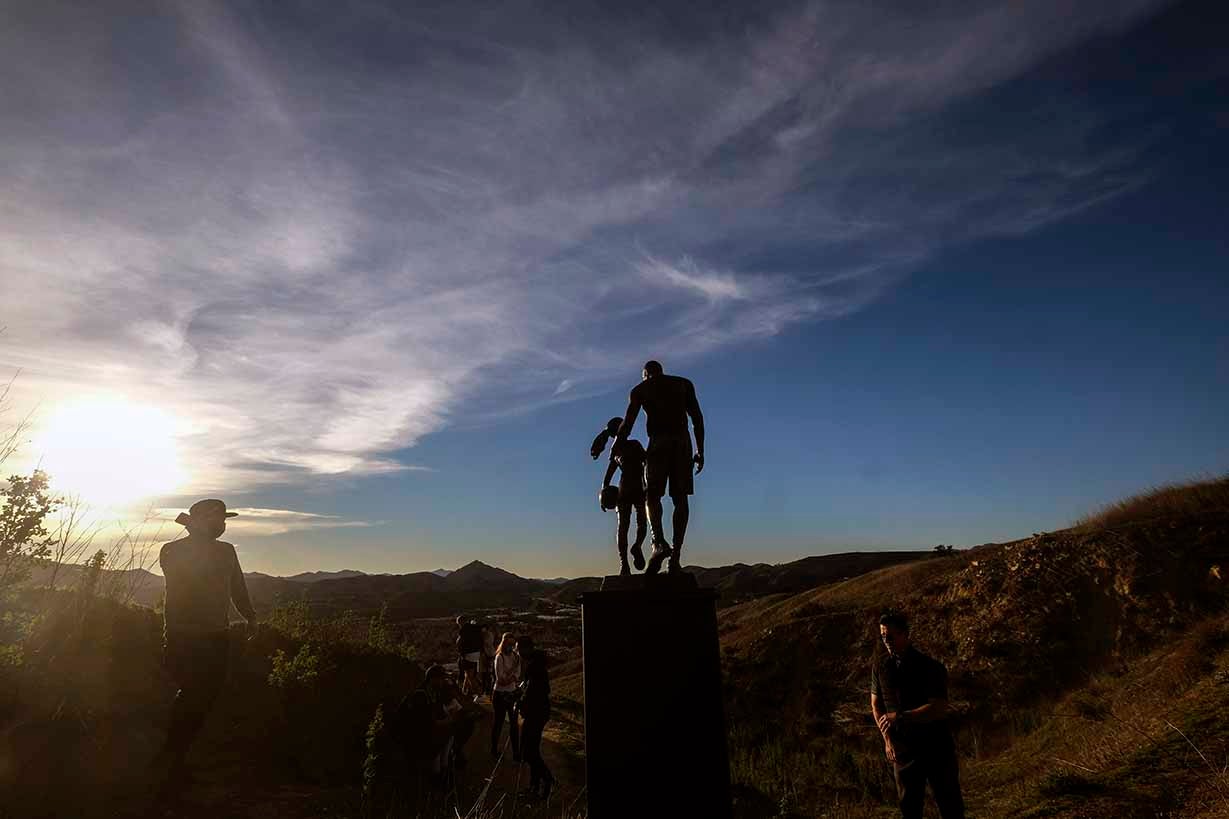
x=110, y=451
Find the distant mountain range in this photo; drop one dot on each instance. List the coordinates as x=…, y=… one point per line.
x=477, y=586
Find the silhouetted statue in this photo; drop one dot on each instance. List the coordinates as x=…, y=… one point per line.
x=909, y=704
x=667, y=401
x=535, y=712
x=628, y=499
x=203, y=577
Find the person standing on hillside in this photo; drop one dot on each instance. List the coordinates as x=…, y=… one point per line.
x=504, y=697
x=909, y=704
x=469, y=652
x=203, y=577
x=535, y=712
x=486, y=661
x=628, y=457
x=668, y=401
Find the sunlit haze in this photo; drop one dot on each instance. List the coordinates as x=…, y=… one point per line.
x=110, y=452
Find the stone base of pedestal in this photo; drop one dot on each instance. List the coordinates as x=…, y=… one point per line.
x=655, y=740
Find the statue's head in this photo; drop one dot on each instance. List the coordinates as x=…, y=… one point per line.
x=612, y=426
x=651, y=369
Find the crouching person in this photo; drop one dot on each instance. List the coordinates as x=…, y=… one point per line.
x=433, y=727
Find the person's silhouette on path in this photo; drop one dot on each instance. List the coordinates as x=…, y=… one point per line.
x=668, y=401
x=469, y=652
x=203, y=577
x=534, y=708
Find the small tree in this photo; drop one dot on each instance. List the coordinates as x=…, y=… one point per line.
x=23, y=531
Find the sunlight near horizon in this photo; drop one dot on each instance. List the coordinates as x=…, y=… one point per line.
x=110, y=451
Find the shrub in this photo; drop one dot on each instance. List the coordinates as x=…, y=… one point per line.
x=301, y=671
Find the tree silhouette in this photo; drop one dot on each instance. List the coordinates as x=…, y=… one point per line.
x=23, y=531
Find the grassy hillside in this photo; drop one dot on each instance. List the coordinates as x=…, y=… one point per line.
x=1041, y=637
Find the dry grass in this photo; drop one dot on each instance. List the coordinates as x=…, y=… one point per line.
x=1123, y=742
x=1172, y=501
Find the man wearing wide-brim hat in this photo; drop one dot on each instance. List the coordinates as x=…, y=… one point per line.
x=202, y=578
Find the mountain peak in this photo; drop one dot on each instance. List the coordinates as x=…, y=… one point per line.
x=478, y=573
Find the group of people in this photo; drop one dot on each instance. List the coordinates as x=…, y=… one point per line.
x=435, y=722
x=203, y=577
x=649, y=474
x=514, y=675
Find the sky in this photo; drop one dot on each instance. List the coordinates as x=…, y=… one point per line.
x=376, y=274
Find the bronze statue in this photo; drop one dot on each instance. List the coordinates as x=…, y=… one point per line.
x=668, y=401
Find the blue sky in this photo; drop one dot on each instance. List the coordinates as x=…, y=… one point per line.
x=953, y=277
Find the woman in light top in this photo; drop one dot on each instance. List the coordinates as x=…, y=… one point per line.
x=507, y=679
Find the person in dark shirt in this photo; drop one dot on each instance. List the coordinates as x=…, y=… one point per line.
x=203, y=577
x=668, y=401
x=469, y=652
x=535, y=712
x=909, y=704
x=430, y=726
x=628, y=457
x=435, y=722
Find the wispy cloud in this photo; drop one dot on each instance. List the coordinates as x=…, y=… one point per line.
x=265, y=522
x=323, y=237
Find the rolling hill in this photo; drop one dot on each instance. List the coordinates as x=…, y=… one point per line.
x=478, y=585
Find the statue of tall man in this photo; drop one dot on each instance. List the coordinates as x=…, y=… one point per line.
x=668, y=401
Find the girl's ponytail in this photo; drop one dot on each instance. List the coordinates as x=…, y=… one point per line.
x=603, y=437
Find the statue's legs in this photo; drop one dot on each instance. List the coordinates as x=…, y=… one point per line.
x=682, y=513
x=624, y=513
x=653, y=504
x=661, y=546
x=641, y=530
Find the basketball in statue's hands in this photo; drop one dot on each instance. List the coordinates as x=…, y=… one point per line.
x=608, y=498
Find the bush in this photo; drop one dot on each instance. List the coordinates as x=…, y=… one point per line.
x=301, y=671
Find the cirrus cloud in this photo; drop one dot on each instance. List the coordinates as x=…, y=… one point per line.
x=322, y=237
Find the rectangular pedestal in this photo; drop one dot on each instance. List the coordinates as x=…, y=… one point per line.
x=655, y=739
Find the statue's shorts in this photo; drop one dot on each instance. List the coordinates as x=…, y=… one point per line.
x=668, y=465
